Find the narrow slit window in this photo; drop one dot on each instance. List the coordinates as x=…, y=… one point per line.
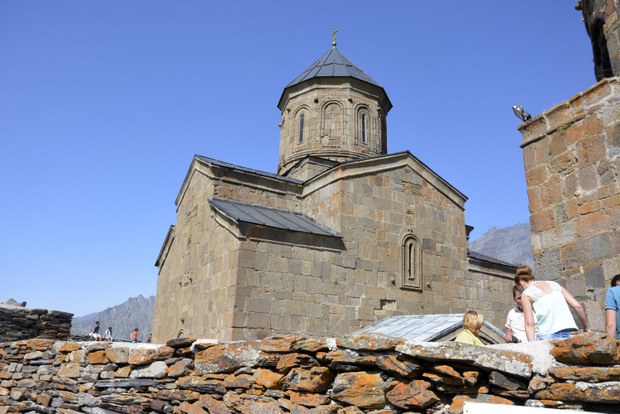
x=301, y=128
x=364, y=128
x=412, y=264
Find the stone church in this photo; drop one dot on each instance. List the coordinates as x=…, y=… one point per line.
x=343, y=235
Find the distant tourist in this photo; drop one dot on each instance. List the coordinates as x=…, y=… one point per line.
x=515, y=321
x=150, y=337
x=546, y=307
x=108, y=334
x=612, y=308
x=472, y=323
x=134, y=336
x=95, y=332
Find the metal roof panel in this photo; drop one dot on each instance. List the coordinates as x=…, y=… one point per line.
x=270, y=217
x=249, y=170
x=420, y=328
x=333, y=64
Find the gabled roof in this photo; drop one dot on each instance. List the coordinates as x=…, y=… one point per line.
x=199, y=159
x=422, y=328
x=485, y=258
x=270, y=217
x=333, y=64
x=245, y=169
x=378, y=163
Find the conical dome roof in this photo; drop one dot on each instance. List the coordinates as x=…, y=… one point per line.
x=333, y=64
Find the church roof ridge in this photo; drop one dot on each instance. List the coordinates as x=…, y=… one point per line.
x=479, y=256
x=333, y=64
x=246, y=169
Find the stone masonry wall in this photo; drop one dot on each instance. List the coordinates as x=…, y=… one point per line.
x=18, y=323
x=236, y=281
x=203, y=256
x=374, y=213
x=302, y=375
x=572, y=167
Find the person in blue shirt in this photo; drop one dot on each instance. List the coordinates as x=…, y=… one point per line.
x=612, y=308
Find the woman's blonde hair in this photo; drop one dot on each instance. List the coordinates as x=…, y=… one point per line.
x=472, y=319
x=524, y=274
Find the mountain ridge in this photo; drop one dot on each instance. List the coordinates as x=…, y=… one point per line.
x=511, y=244
x=136, y=312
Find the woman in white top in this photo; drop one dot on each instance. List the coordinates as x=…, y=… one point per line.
x=545, y=306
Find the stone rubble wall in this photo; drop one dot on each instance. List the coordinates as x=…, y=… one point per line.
x=301, y=375
x=18, y=323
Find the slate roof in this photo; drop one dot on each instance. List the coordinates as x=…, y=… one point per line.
x=485, y=258
x=270, y=217
x=419, y=328
x=333, y=64
x=245, y=169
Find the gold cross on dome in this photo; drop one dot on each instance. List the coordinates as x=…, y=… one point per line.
x=334, y=33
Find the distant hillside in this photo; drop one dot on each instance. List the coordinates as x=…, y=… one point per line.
x=124, y=318
x=511, y=244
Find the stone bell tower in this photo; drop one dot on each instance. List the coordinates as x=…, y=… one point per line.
x=332, y=112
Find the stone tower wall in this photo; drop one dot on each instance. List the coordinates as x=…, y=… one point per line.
x=572, y=167
x=332, y=127
x=603, y=26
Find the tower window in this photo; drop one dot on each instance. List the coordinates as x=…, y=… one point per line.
x=301, y=127
x=364, y=128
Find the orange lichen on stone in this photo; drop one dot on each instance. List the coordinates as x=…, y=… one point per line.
x=361, y=389
x=141, y=356
x=307, y=399
x=585, y=349
x=266, y=378
x=587, y=374
x=415, y=394
x=280, y=343
x=602, y=393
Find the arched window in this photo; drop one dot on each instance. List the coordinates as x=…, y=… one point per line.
x=301, y=127
x=412, y=263
x=364, y=128
x=332, y=121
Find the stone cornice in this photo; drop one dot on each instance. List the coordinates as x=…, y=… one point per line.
x=569, y=112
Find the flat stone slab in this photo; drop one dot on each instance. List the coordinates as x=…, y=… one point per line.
x=136, y=383
x=509, y=362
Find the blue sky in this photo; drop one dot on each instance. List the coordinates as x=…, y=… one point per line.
x=103, y=104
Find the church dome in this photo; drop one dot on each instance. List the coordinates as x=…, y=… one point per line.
x=331, y=65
